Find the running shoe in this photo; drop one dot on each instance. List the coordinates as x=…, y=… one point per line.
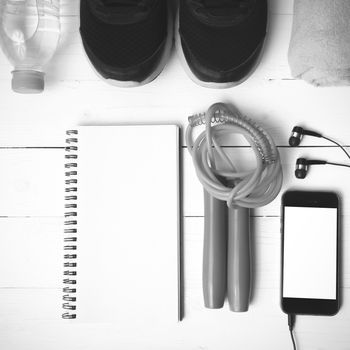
x=128, y=42
x=220, y=41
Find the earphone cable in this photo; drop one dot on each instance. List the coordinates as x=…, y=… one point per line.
x=339, y=164
x=291, y=323
x=293, y=340
x=338, y=144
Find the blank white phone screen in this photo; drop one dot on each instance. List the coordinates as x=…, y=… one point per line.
x=310, y=253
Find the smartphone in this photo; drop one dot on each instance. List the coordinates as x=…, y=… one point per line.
x=310, y=253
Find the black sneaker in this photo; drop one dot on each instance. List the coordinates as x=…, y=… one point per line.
x=220, y=41
x=127, y=41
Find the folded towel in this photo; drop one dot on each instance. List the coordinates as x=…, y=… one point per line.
x=319, y=50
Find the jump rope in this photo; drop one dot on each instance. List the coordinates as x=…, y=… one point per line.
x=229, y=193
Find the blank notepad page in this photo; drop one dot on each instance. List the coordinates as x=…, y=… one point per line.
x=128, y=221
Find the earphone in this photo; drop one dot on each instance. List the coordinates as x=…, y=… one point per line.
x=302, y=164
x=297, y=135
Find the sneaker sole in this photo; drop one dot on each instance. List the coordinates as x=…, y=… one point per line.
x=156, y=72
x=206, y=84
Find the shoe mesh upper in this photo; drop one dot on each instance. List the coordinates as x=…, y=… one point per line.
x=127, y=43
x=222, y=47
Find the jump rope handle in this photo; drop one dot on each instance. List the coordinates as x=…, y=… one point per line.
x=226, y=255
x=214, y=252
x=238, y=260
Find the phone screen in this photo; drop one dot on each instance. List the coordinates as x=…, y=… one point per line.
x=310, y=253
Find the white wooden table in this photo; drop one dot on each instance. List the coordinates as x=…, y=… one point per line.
x=31, y=195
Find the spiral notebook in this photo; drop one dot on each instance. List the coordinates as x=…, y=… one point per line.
x=122, y=230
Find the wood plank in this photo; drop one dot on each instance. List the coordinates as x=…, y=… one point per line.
x=235, y=331
x=29, y=320
x=31, y=253
x=30, y=317
x=31, y=182
x=266, y=256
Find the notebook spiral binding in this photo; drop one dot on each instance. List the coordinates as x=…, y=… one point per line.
x=70, y=224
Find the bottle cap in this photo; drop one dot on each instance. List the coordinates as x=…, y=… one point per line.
x=28, y=81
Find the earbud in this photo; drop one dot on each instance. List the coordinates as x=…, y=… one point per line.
x=297, y=135
x=302, y=166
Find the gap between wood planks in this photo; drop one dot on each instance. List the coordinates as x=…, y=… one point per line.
x=183, y=147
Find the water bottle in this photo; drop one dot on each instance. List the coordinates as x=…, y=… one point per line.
x=29, y=34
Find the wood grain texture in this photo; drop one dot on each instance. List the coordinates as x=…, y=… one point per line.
x=29, y=316
x=32, y=180
x=31, y=196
